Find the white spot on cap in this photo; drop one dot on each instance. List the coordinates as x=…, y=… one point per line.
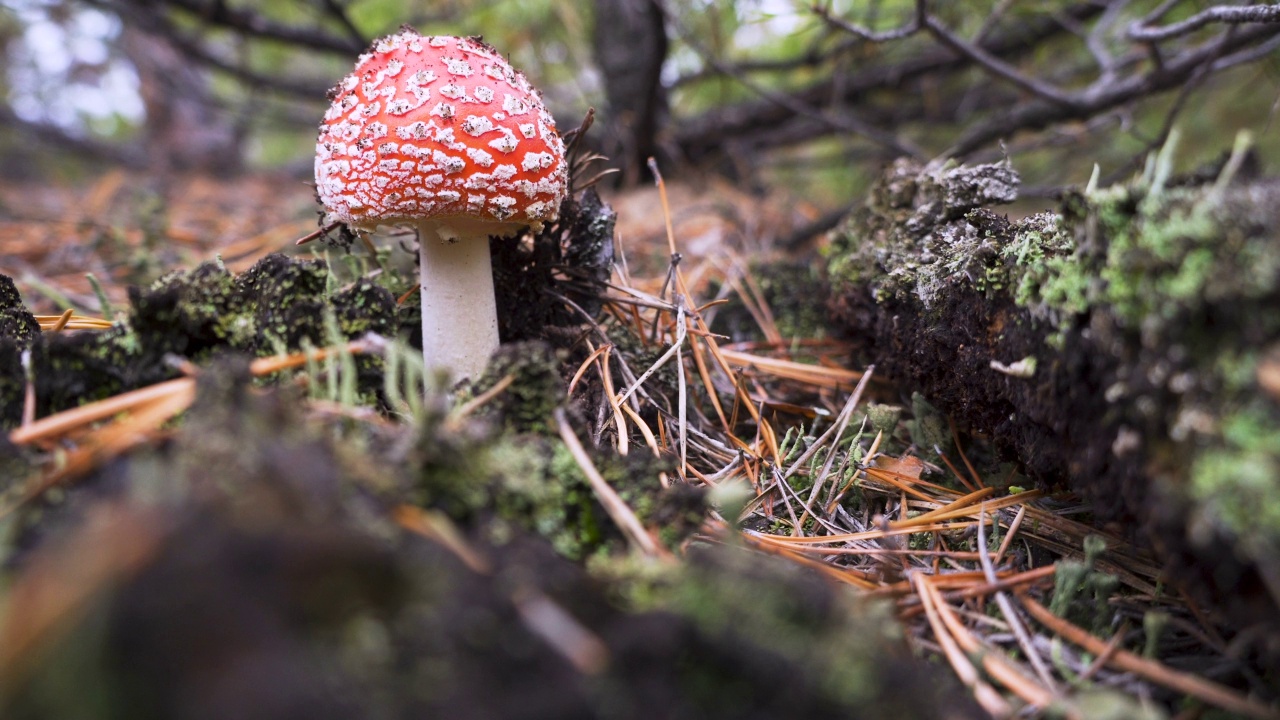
x=399, y=107
x=479, y=181
x=480, y=157
x=476, y=125
x=394, y=67
x=502, y=206
x=449, y=163
x=422, y=77
x=513, y=105
x=458, y=67
x=438, y=40
x=412, y=131
x=536, y=210
x=537, y=161
x=444, y=110
x=453, y=91
x=505, y=144
x=484, y=93
x=449, y=196
x=504, y=172
x=528, y=130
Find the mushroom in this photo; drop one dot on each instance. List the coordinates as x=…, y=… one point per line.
x=443, y=135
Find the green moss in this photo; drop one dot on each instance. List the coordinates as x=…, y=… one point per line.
x=1237, y=483
x=844, y=645
x=929, y=429
x=534, y=393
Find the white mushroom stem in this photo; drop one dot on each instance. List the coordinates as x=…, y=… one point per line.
x=459, y=316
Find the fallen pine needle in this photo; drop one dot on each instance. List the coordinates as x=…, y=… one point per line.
x=612, y=502
x=1197, y=687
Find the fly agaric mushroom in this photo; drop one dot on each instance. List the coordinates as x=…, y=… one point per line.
x=442, y=134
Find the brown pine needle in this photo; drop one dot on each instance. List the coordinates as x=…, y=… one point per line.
x=816, y=375
x=1158, y=673
x=582, y=369
x=68, y=321
x=996, y=664
x=965, y=502
x=437, y=527
x=619, y=421
x=613, y=504
x=460, y=413
x=59, y=424
x=987, y=697
x=317, y=234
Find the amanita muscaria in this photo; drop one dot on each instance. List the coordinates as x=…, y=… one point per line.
x=443, y=135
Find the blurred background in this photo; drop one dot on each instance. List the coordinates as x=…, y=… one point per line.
x=795, y=102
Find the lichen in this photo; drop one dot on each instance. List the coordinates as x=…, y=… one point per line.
x=906, y=241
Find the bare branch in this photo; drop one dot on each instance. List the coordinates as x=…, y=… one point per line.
x=718, y=128
x=995, y=65
x=252, y=24
x=159, y=24
x=1142, y=31
x=1228, y=50
x=844, y=121
x=862, y=33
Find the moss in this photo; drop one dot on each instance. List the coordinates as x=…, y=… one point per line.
x=928, y=427
x=845, y=646
x=541, y=489
x=535, y=392
x=1236, y=483
x=795, y=293
x=287, y=299
x=16, y=322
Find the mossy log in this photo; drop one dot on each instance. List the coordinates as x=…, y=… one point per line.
x=1125, y=345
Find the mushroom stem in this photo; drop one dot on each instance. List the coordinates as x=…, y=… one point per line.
x=459, y=315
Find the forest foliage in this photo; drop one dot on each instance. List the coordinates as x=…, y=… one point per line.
x=771, y=93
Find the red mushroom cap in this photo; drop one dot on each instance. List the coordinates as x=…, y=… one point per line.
x=438, y=127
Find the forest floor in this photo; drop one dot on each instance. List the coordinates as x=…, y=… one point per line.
x=687, y=504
